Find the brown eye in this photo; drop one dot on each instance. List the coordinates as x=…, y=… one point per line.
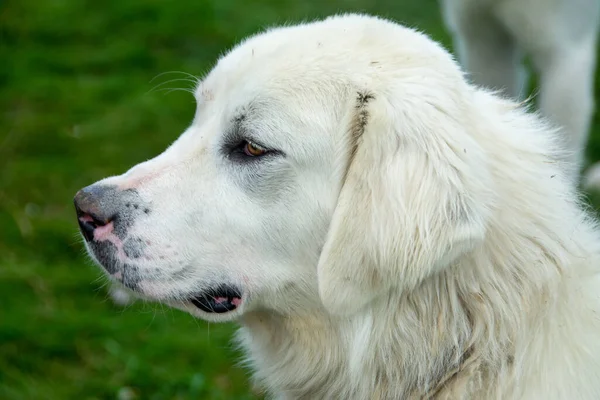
x=254, y=150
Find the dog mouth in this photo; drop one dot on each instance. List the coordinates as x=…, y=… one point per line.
x=218, y=300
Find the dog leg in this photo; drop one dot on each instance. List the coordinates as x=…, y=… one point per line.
x=485, y=49
x=566, y=93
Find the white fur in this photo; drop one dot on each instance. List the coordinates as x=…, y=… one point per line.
x=493, y=36
x=418, y=237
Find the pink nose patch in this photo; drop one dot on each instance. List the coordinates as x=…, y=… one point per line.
x=103, y=232
x=106, y=233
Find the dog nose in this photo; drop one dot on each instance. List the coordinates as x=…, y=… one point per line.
x=94, y=210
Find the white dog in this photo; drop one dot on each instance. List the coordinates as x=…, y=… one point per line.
x=492, y=37
x=380, y=228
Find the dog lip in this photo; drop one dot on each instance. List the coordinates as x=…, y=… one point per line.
x=218, y=300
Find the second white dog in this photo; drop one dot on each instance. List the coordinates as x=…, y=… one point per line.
x=492, y=37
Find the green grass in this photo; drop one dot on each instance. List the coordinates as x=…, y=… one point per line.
x=76, y=105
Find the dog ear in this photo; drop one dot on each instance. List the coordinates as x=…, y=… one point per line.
x=411, y=202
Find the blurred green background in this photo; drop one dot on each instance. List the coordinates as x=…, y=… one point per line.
x=77, y=105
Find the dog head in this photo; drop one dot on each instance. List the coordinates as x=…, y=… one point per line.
x=327, y=164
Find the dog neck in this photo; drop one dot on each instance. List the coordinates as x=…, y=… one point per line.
x=419, y=345
x=297, y=354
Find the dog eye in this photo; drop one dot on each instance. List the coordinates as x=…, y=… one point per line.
x=253, y=150
x=245, y=150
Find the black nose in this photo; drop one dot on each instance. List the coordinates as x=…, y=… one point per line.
x=93, y=208
x=99, y=205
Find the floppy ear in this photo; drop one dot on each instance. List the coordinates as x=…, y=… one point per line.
x=411, y=203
